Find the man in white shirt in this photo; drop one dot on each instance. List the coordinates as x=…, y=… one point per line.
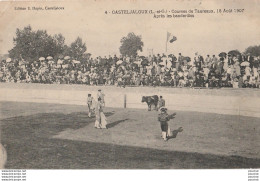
x=164, y=60
x=207, y=61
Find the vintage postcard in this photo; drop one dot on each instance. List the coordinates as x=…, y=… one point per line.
x=132, y=84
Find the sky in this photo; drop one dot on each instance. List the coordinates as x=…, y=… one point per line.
x=205, y=33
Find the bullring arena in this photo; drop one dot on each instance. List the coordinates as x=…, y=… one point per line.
x=47, y=127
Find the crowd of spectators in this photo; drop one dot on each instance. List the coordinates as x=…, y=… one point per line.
x=158, y=70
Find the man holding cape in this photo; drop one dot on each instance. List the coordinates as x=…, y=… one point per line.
x=163, y=118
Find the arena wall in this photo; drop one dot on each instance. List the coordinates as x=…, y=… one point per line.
x=244, y=102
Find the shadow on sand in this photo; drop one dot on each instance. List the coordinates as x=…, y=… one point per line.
x=174, y=133
x=111, y=125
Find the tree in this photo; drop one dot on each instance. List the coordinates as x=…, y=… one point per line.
x=253, y=50
x=234, y=53
x=131, y=44
x=77, y=49
x=31, y=45
x=59, y=42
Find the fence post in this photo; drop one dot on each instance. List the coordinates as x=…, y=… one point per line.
x=125, y=101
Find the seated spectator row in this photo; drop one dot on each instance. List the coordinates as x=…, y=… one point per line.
x=159, y=70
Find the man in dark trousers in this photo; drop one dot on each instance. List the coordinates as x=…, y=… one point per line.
x=163, y=118
x=250, y=59
x=89, y=103
x=101, y=95
x=179, y=61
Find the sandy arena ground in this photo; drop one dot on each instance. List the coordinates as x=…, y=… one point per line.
x=210, y=133
x=46, y=126
x=42, y=136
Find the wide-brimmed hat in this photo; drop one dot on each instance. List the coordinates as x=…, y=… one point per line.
x=163, y=109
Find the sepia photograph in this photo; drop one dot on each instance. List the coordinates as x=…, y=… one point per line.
x=132, y=84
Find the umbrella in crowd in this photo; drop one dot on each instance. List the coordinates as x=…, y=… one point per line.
x=75, y=61
x=119, y=62
x=180, y=74
x=41, y=58
x=22, y=62
x=223, y=54
x=67, y=58
x=49, y=58
x=145, y=62
x=142, y=57
x=187, y=59
x=8, y=60
x=243, y=64
x=234, y=52
x=161, y=63
x=124, y=63
x=174, y=58
x=65, y=66
x=137, y=62
x=174, y=69
x=59, y=61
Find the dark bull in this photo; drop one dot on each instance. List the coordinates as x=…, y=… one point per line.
x=151, y=100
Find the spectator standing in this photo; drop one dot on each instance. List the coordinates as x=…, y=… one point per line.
x=179, y=62
x=161, y=102
x=207, y=61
